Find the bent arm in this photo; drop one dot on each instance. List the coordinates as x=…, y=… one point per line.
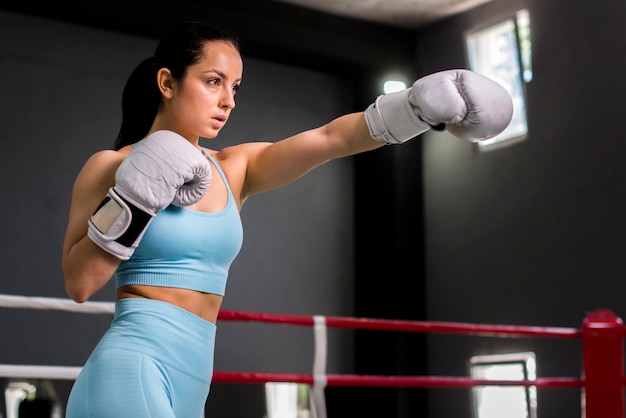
x=273, y=165
x=87, y=268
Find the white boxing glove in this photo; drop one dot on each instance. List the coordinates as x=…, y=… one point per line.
x=164, y=168
x=466, y=104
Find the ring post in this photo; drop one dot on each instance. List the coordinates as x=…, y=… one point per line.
x=603, y=365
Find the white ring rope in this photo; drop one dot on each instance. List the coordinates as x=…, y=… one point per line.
x=12, y=301
x=39, y=372
x=48, y=372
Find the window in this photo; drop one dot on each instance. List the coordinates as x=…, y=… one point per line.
x=287, y=400
x=504, y=401
x=502, y=52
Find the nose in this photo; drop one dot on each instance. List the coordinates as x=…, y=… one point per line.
x=227, y=98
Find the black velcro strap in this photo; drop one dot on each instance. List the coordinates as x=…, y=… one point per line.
x=138, y=221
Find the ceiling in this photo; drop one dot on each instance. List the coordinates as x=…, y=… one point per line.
x=410, y=14
x=353, y=38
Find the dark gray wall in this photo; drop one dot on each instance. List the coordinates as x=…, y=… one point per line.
x=534, y=233
x=63, y=88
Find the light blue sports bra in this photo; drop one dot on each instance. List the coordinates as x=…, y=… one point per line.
x=187, y=249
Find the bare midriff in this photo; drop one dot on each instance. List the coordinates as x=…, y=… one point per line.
x=204, y=305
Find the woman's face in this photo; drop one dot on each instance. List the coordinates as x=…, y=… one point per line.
x=203, y=99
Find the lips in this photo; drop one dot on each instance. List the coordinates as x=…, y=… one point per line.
x=219, y=121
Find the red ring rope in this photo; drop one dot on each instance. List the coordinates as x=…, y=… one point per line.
x=392, y=381
x=407, y=326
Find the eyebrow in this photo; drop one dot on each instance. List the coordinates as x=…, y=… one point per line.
x=220, y=73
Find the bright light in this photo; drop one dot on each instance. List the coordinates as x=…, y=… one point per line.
x=504, y=401
x=287, y=400
x=282, y=400
x=392, y=86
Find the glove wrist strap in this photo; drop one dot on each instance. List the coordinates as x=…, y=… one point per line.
x=117, y=225
x=393, y=119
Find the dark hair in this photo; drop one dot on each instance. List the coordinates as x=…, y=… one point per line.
x=181, y=47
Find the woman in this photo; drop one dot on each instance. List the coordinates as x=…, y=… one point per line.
x=160, y=214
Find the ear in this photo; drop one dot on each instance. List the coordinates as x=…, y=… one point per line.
x=165, y=81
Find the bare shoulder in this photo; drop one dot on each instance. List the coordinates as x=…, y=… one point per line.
x=243, y=151
x=104, y=161
x=106, y=157
x=98, y=172
x=239, y=155
x=235, y=161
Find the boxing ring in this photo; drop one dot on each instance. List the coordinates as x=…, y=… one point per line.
x=601, y=333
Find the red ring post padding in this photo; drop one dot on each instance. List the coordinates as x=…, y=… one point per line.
x=603, y=365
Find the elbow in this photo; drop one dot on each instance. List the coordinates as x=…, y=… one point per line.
x=79, y=286
x=79, y=298
x=73, y=285
x=76, y=293
x=87, y=274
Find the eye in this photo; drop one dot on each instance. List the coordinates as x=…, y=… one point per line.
x=213, y=81
x=236, y=88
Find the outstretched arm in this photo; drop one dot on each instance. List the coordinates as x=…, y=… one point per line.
x=467, y=104
x=272, y=165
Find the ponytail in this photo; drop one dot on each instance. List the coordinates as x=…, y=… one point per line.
x=140, y=102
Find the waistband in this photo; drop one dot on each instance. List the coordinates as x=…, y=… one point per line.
x=163, y=331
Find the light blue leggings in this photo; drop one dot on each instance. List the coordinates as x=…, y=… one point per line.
x=155, y=361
